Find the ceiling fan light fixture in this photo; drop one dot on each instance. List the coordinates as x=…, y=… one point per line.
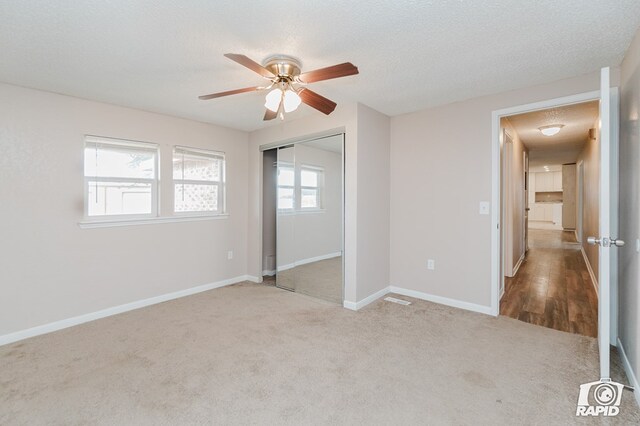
x=291, y=100
x=554, y=129
x=272, y=100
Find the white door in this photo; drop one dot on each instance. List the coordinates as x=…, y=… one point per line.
x=608, y=215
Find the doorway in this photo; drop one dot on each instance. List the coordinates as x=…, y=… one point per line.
x=549, y=277
x=303, y=217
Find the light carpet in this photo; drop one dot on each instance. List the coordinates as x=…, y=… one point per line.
x=253, y=354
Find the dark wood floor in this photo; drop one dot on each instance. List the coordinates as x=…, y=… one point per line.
x=552, y=287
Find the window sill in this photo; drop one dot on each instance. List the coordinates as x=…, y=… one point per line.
x=89, y=224
x=301, y=211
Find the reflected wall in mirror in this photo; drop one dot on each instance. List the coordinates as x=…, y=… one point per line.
x=309, y=218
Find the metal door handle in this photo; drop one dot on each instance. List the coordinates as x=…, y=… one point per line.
x=605, y=242
x=617, y=243
x=593, y=241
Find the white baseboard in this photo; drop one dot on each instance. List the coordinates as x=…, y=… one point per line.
x=355, y=306
x=309, y=260
x=252, y=279
x=442, y=300
x=80, y=319
x=515, y=268
x=270, y=273
x=594, y=279
x=633, y=380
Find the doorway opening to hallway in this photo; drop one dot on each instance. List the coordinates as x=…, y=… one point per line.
x=550, y=202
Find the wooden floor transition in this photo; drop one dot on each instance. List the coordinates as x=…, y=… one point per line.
x=553, y=287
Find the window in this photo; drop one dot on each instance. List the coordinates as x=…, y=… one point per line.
x=199, y=180
x=310, y=187
x=120, y=177
x=286, y=186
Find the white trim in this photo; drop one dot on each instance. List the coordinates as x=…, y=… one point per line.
x=89, y=224
x=495, y=179
x=267, y=273
x=442, y=300
x=517, y=267
x=356, y=306
x=633, y=381
x=114, y=310
x=252, y=278
x=309, y=260
x=594, y=279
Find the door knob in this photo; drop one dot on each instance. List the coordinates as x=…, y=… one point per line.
x=593, y=241
x=605, y=242
x=617, y=243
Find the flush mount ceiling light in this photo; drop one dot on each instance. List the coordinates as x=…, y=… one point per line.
x=551, y=130
x=287, y=84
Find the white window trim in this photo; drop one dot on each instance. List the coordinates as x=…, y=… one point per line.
x=89, y=224
x=221, y=184
x=90, y=140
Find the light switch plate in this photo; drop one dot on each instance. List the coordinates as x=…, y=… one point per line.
x=485, y=206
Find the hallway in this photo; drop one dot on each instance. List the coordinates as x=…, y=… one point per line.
x=552, y=287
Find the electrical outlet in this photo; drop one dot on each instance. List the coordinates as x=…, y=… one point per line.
x=431, y=264
x=485, y=206
x=230, y=254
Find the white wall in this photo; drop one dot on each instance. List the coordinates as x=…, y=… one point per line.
x=629, y=259
x=440, y=171
x=53, y=270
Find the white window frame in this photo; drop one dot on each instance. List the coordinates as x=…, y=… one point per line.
x=222, y=184
x=96, y=142
x=319, y=187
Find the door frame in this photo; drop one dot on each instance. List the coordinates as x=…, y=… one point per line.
x=496, y=172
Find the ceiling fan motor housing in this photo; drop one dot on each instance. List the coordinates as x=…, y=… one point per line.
x=284, y=67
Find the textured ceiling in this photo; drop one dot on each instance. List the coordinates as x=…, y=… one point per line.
x=563, y=147
x=160, y=55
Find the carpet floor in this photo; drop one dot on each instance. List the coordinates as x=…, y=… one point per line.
x=254, y=354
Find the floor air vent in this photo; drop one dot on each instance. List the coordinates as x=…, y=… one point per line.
x=398, y=301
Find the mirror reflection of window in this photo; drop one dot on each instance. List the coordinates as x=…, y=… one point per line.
x=310, y=187
x=286, y=187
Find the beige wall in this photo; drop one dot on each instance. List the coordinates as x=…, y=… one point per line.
x=53, y=270
x=590, y=158
x=440, y=171
x=629, y=262
x=514, y=184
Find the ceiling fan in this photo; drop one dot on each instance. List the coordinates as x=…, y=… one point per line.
x=288, y=84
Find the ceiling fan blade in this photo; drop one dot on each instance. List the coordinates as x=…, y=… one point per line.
x=336, y=71
x=230, y=92
x=316, y=101
x=251, y=64
x=269, y=115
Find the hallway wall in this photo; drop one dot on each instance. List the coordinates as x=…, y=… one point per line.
x=515, y=199
x=629, y=259
x=590, y=155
